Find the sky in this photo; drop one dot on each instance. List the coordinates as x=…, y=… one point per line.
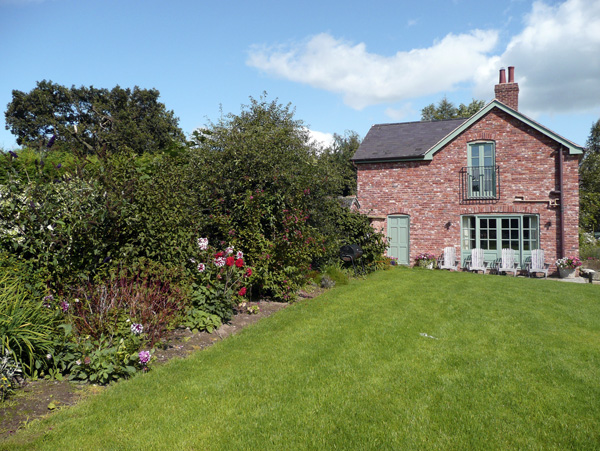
x=343, y=65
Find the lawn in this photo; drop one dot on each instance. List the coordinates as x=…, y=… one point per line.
x=406, y=359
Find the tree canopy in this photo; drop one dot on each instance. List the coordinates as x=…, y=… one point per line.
x=446, y=110
x=337, y=159
x=263, y=186
x=589, y=178
x=92, y=118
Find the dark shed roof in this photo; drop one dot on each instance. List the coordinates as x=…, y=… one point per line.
x=405, y=140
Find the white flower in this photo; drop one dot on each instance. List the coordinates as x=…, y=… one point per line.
x=220, y=261
x=201, y=267
x=229, y=250
x=50, y=227
x=239, y=255
x=137, y=329
x=203, y=243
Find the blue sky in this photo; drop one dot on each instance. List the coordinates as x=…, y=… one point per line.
x=344, y=65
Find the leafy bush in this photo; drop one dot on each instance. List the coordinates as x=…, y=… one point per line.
x=198, y=321
x=282, y=246
x=57, y=227
x=33, y=281
x=256, y=179
x=99, y=360
x=36, y=164
x=342, y=226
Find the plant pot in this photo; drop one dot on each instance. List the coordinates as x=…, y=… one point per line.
x=566, y=273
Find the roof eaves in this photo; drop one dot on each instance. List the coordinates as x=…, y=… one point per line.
x=391, y=159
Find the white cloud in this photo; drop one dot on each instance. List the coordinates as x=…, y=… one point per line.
x=320, y=138
x=556, y=59
x=556, y=56
x=365, y=78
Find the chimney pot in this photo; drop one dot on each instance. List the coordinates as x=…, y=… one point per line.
x=508, y=93
x=511, y=74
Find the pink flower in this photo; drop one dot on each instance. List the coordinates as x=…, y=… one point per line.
x=144, y=357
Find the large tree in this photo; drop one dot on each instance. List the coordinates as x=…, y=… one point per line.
x=92, y=118
x=589, y=178
x=264, y=188
x=337, y=160
x=446, y=110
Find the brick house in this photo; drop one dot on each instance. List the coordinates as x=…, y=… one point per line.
x=496, y=180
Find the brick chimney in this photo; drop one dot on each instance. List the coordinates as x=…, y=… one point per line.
x=508, y=93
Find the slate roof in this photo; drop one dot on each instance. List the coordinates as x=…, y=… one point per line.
x=407, y=140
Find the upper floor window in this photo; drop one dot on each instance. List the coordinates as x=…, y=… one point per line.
x=481, y=170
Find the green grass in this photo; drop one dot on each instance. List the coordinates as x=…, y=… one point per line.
x=514, y=364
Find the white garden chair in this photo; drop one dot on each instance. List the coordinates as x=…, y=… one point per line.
x=477, y=262
x=448, y=259
x=536, y=264
x=508, y=263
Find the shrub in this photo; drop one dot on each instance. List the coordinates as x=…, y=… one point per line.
x=117, y=210
x=198, y=321
x=255, y=177
x=341, y=226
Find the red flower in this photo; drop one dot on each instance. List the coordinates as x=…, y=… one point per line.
x=242, y=292
x=230, y=261
x=239, y=262
x=248, y=272
x=219, y=254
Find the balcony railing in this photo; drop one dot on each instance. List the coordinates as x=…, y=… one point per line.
x=479, y=184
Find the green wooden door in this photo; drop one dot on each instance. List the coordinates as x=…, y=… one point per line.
x=398, y=228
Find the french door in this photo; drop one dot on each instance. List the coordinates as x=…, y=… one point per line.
x=494, y=233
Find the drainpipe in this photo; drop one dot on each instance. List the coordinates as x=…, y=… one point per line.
x=561, y=202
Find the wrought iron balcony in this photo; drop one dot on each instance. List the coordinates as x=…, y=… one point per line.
x=479, y=184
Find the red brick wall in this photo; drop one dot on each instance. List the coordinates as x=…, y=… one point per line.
x=508, y=94
x=429, y=191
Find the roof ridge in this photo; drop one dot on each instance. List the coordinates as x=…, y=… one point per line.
x=420, y=122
